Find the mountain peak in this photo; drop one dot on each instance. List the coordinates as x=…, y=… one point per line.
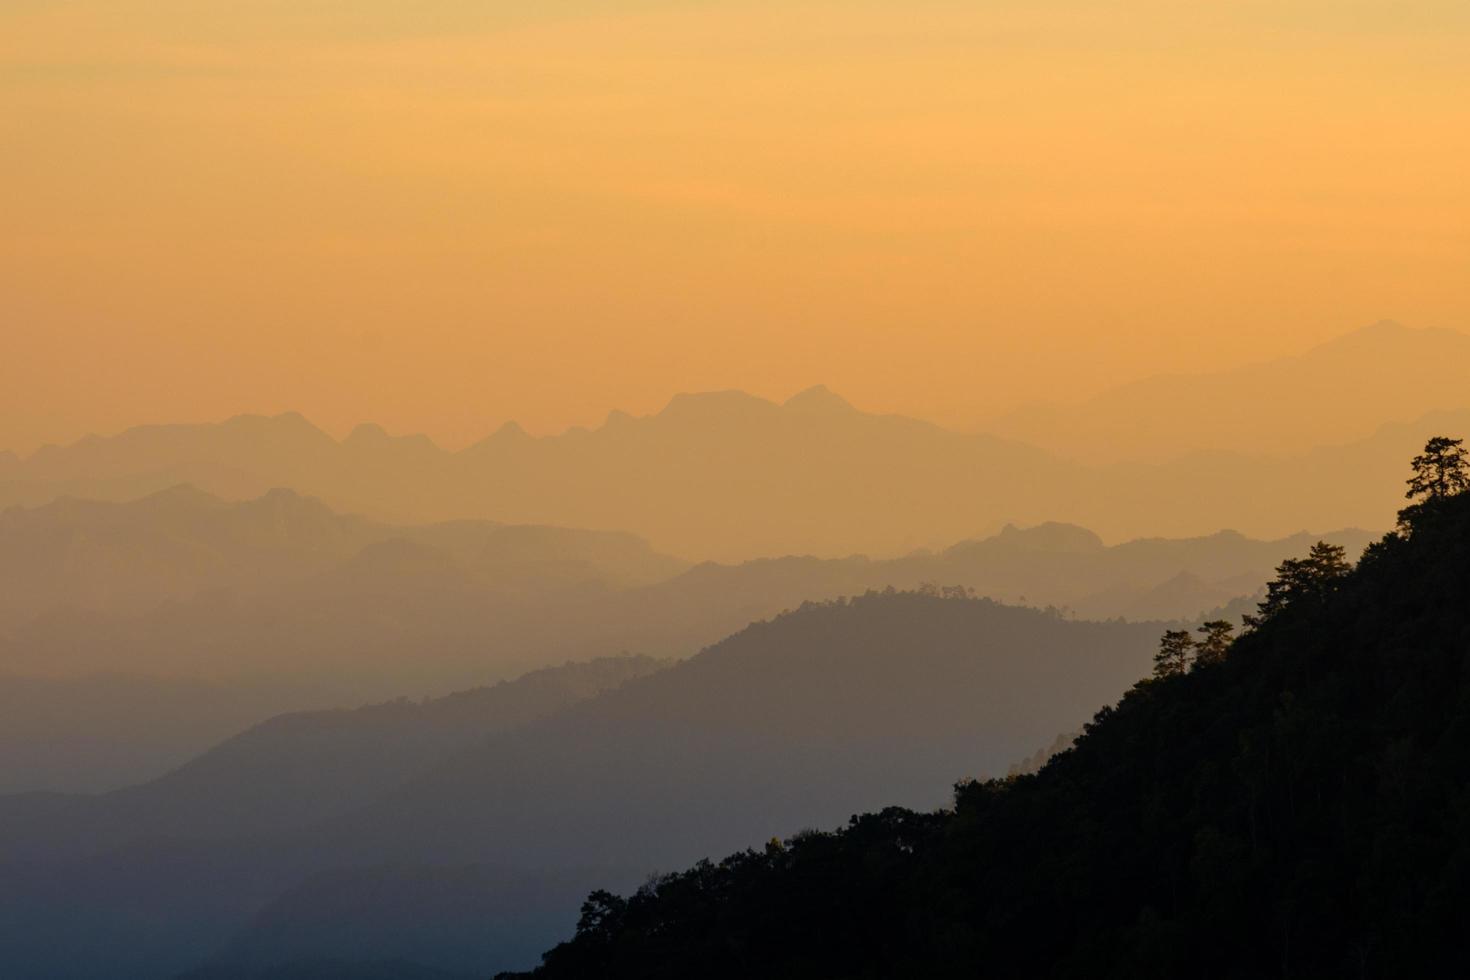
x=703, y=404
x=293, y=422
x=367, y=434
x=370, y=435
x=1394, y=336
x=817, y=398
x=1050, y=536
x=182, y=494
x=1381, y=328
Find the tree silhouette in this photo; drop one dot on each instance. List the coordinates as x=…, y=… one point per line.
x=1303, y=580
x=1216, y=643
x=1441, y=470
x=1175, y=649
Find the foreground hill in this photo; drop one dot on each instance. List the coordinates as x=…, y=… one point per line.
x=798, y=721
x=1297, y=809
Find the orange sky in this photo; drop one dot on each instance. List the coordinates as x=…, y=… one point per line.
x=440, y=214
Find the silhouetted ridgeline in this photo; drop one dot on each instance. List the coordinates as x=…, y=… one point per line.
x=101, y=732
x=1396, y=372
x=298, y=768
x=131, y=557
x=284, y=589
x=831, y=709
x=1300, y=809
x=728, y=476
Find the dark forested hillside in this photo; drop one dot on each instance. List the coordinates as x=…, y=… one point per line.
x=1297, y=808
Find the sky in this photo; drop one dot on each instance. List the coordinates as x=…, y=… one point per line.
x=441, y=214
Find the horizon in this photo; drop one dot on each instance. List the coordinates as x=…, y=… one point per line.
x=434, y=215
x=342, y=433
x=464, y=461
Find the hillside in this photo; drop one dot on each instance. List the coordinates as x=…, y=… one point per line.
x=798, y=721
x=1297, y=809
x=102, y=732
x=297, y=606
x=299, y=768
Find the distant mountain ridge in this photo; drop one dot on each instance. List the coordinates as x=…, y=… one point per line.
x=283, y=589
x=1336, y=392
x=728, y=476
x=130, y=557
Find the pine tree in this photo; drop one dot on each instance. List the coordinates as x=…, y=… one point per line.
x=1441, y=470
x=1175, y=650
x=1216, y=643
x=1309, y=579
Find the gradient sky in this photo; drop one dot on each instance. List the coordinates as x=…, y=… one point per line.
x=440, y=214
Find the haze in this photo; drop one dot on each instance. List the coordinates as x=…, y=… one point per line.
x=933, y=471
x=441, y=215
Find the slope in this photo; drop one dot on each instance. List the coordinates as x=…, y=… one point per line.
x=1299, y=809
x=793, y=722
x=299, y=768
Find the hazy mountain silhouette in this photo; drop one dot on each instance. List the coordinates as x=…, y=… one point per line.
x=106, y=731
x=348, y=923
x=180, y=542
x=722, y=474
x=297, y=768
x=728, y=476
x=796, y=721
x=1290, y=405
x=293, y=606
x=283, y=591
x=337, y=969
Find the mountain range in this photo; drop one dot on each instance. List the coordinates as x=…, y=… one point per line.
x=728, y=476
x=132, y=557
x=793, y=722
x=280, y=603
x=1335, y=393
